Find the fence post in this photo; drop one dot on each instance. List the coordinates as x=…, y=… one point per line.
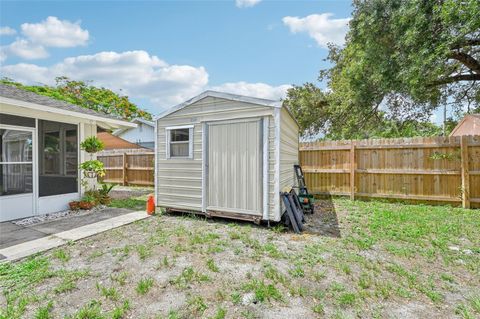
x=124, y=170
x=352, y=170
x=465, y=174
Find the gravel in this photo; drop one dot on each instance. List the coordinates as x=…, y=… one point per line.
x=52, y=216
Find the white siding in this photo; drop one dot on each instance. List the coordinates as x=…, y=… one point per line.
x=179, y=181
x=288, y=150
x=139, y=135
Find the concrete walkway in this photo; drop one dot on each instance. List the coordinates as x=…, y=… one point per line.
x=19, y=242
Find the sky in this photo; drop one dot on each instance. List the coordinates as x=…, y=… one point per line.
x=161, y=53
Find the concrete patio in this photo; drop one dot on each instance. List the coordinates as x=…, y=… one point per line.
x=21, y=241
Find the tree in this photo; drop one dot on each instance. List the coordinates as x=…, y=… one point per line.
x=401, y=61
x=88, y=96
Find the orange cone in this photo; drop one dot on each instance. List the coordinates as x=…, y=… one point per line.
x=150, y=205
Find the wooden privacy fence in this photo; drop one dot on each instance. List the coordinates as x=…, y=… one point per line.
x=437, y=169
x=129, y=169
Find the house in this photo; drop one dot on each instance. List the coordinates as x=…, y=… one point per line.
x=40, y=152
x=143, y=134
x=112, y=142
x=225, y=155
x=469, y=125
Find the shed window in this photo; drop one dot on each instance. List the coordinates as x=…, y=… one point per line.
x=180, y=142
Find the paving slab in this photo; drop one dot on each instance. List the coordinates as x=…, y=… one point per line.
x=31, y=247
x=63, y=224
x=11, y=234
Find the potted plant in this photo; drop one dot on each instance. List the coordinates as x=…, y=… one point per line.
x=74, y=205
x=87, y=202
x=93, y=168
x=103, y=194
x=92, y=145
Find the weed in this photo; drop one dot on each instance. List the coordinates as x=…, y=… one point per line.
x=143, y=251
x=61, y=255
x=236, y=298
x=220, y=313
x=347, y=299
x=364, y=281
x=274, y=274
x=263, y=292
x=92, y=310
x=120, y=278
x=144, y=285
x=297, y=271
x=319, y=309
x=109, y=293
x=187, y=277
x=447, y=277
x=272, y=250
x=475, y=303
x=119, y=312
x=44, y=312
x=211, y=265
x=197, y=305
x=319, y=275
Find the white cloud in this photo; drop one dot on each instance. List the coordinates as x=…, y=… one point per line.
x=134, y=73
x=53, y=32
x=246, y=3
x=320, y=27
x=261, y=90
x=37, y=37
x=140, y=76
x=24, y=49
x=7, y=31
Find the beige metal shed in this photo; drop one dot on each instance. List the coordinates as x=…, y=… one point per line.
x=226, y=155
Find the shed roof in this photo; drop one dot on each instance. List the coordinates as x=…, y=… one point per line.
x=10, y=92
x=222, y=95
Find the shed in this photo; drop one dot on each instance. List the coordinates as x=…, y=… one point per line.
x=227, y=155
x=469, y=125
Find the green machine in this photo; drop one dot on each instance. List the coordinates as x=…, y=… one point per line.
x=306, y=200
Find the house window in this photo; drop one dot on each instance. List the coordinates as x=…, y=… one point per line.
x=180, y=142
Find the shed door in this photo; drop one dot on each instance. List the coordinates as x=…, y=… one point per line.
x=234, y=169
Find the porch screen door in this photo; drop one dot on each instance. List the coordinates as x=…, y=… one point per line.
x=16, y=172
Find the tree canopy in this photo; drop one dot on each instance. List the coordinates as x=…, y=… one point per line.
x=88, y=96
x=401, y=61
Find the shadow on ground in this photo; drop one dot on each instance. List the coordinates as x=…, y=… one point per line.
x=324, y=221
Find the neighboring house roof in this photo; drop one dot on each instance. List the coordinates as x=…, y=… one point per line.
x=469, y=125
x=9, y=94
x=112, y=142
x=137, y=121
x=222, y=95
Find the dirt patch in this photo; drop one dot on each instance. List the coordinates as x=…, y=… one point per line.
x=184, y=267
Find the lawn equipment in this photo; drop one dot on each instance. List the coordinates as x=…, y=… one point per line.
x=306, y=200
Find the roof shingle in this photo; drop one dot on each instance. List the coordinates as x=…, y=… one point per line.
x=13, y=92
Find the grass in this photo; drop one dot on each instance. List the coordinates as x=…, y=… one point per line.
x=144, y=286
x=189, y=276
x=130, y=203
x=387, y=253
x=262, y=291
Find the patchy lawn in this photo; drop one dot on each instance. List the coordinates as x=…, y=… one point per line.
x=359, y=259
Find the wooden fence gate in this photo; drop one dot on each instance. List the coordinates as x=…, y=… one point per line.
x=129, y=169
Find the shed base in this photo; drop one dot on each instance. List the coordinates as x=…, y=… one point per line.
x=212, y=213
